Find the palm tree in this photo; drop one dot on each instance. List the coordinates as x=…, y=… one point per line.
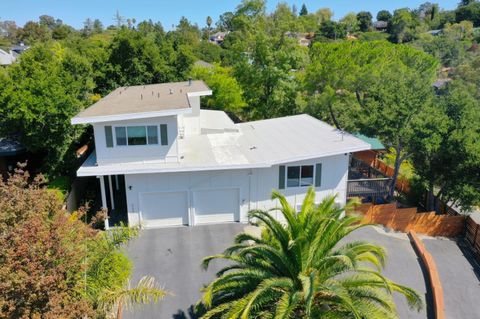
x=107, y=273
x=145, y=292
x=303, y=269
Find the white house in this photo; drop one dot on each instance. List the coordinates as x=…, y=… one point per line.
x=6, y=58
x=162, y=161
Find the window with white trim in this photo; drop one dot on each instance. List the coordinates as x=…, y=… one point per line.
x=136, y=135
x=300, y=176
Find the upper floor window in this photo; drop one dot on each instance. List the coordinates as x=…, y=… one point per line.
x=300, y=176
x=136, y=135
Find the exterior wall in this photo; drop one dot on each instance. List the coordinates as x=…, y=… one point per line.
x=190, y=122
x=255, y=185
x=334, y=182
x=137, y=153
x=185, y=181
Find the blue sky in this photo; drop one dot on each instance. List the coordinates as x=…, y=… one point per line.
x=74, y=12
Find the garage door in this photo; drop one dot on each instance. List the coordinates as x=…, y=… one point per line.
x=164, y=209
x=216, y=206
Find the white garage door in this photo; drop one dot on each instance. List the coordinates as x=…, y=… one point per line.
x=164, y=209
x=216, y=205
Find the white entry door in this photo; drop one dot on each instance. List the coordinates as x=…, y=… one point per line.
x=216, y=205
x=162, y=209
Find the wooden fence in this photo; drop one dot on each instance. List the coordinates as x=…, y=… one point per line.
x=407, y=219
x=472, y=235
x=402, y=184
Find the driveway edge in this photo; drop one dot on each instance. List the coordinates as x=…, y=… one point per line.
x=434, y=278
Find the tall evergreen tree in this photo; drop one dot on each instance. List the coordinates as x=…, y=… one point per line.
x=303, y=10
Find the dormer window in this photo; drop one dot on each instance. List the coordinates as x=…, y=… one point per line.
x=137, y=135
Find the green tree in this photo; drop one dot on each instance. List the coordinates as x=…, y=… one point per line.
x=303, y=10
x=135, y=59
x=402, y=26
x=350, y=22
x=32, y=32
x=377, y=88
x=364, y=19
x=470, y=12
x=449, y=163
x=227, y=93
x=331, y=30
x=323, y=14
x=384, y=15
x=270, y=86
x=303, y=269
x=97, y=26
x=40, y=95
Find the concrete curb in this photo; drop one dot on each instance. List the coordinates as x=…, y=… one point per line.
x=434, y=278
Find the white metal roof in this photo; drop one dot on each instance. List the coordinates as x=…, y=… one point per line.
x=246, y=145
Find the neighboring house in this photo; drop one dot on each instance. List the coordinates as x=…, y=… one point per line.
x=19, y=49
x=380, y=25
x=218, y=37
x=162, y=161
x=204, y=64
x=304, y=39
x=435, y=32
x=6, y=58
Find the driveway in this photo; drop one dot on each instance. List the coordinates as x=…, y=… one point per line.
x=173, y=257
x=402, y=266
x=459, y=275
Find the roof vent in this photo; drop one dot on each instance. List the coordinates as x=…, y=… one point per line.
x=189, y=81
x=171, y=91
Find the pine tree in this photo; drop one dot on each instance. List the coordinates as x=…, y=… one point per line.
x=303, y=10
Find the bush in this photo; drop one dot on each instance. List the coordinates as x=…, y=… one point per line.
x=46, y=253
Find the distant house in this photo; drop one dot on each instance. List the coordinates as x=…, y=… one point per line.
x=441, y=83
x=204, y=64
x=380, y=25
x=6, y=58
x=19, y=49
x=304, y=39
x=161, y=160
x=435, y=32
x=218, y=37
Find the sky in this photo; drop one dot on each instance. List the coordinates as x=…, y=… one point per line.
x=169, y=12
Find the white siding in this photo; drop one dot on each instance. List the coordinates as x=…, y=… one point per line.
x=137, y=153
x=255, y=186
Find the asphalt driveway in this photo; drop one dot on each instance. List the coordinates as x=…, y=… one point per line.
x=173, y=256
x=460, y=277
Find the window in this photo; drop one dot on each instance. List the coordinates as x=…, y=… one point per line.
x=136, y=135
x=121, y=135
x=300, y=176
x=306, y=176
x=293, y=176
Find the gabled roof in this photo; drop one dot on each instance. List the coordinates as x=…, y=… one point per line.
x=143, y=101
